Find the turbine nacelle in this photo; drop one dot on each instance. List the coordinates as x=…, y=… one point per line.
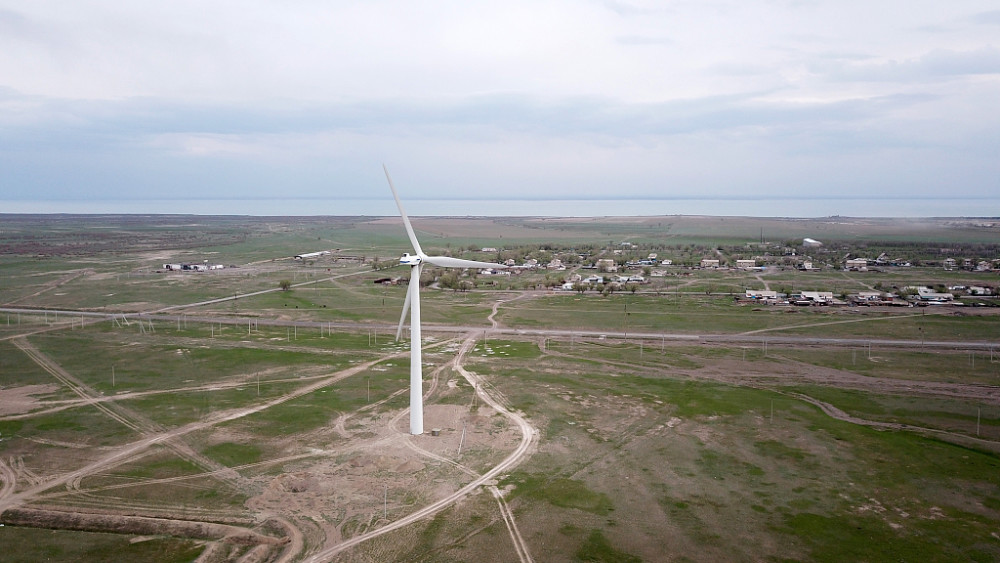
x=408, y=259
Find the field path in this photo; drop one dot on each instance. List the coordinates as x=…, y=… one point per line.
x=496, y=306
x=129, y=418
x=127, y=451
x=760, y=278
x=54, y=284
x=826, y=323
x=8, y=480
x=834, y=412
x=527, y=436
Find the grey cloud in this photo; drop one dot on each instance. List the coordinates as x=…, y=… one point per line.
x=483, y=117
x=935, y=65
x=991, y=17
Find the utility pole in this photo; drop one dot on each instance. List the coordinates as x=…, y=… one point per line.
x=625, y=321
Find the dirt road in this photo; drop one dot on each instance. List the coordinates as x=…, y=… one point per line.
x=527, y=436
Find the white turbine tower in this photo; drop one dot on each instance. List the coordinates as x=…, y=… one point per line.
x=412, y=302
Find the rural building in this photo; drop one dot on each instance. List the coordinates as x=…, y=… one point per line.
x=746, y=264
x=856, y=264
x=930, y=296
x=192, y=267
x=710, y=263
x=607, y=265
x=763, y=294
x=817, y=297
x=495, y=272
x=309, y=255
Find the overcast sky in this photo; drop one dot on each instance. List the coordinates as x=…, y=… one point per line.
x=119, y=99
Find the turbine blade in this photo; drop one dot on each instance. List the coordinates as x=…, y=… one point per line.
x=449, y=262
x=406, y=220
x=406, y=304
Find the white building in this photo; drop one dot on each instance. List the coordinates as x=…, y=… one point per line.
x=928, y=294
x=818, y=296
x=858, y=264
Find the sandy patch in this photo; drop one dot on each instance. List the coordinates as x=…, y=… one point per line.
x=18, y=400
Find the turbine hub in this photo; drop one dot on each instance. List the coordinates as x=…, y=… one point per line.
x=409, y=259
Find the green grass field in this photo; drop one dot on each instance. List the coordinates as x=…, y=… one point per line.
x=646, y=449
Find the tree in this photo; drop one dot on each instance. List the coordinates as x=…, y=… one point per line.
x=449, y=280
x=285, y=285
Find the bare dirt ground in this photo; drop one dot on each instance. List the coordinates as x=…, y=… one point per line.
x=370, y=479
x=321, y=498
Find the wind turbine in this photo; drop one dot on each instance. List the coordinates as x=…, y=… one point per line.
x=416, y=262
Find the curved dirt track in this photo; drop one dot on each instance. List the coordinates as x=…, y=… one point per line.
x=527, y=436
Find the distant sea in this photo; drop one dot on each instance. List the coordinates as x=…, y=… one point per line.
x=783, y=207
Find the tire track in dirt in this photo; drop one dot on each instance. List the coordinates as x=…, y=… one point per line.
x=527, y=436
x=127, y=451
x=8, y=480
x=130, y=419
x=496, y=307
x=827, y=323
x=835, y=413
x=53, y=285
x=515, y=534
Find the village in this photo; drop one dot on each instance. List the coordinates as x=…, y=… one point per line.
x=623, y=272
